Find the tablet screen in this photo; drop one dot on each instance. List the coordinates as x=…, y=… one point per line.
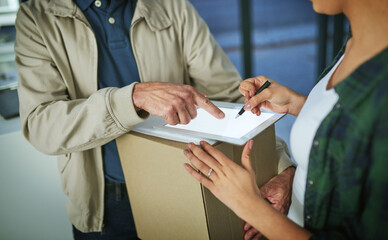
x=227, y=127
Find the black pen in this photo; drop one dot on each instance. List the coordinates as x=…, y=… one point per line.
x=264, y=86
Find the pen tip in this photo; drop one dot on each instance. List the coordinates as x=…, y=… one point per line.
x=238, y=115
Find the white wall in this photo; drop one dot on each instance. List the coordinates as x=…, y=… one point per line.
x=32, y=204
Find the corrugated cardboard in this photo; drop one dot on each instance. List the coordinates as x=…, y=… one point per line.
x=167, y=203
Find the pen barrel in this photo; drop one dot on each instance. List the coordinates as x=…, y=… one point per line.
x=264, y=86
x=241, y=111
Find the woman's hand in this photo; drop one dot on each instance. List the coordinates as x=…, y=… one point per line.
x=232, y=184
x=236, y=187
x=276, y=97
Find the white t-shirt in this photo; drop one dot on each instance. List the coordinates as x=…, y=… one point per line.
x=318, y=105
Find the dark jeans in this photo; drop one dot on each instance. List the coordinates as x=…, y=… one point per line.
x=118, y=220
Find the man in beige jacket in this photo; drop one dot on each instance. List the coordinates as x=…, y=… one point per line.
x=68, y=110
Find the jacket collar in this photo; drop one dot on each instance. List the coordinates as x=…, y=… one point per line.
x=62, y=8
x=153, y=12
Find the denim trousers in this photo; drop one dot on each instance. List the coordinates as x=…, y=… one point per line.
x=118, y=220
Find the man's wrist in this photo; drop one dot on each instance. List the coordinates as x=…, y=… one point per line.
x=290, y=171
x=136, y=97
x=289, y=175
x=136, y=100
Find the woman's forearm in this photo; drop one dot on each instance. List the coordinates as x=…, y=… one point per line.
x=298, y=101
x=271, y=223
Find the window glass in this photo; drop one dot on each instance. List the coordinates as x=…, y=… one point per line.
x=284, y=41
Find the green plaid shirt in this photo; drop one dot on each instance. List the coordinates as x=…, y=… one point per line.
x=347, y=184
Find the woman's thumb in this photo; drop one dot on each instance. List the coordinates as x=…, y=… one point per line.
x=246, y=156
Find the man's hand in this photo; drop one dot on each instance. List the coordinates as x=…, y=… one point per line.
x=278, y=191
x=174, y=102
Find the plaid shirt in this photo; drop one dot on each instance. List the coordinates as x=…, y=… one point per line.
x=347, y=183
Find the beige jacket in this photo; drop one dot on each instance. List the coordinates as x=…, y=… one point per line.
x=64, y=114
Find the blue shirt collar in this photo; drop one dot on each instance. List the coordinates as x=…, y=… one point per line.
x=83, y=4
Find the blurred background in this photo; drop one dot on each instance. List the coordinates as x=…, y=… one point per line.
x=282, y=39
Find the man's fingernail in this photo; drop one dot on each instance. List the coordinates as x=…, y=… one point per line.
x=221, y=115
x=186, y=152
x=185, y=165
x=248, y=107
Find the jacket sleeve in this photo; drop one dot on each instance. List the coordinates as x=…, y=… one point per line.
x=284, y=155
x=51, y=121
x=210, y=69
x=213, y=73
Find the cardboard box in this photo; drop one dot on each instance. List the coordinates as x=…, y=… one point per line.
x=167, y=203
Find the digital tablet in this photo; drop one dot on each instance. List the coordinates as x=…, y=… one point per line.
x=236, y=131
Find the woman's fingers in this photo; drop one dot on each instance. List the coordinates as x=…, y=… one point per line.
x=200, y=165
x=253, y=102
x=256, y=100
x=247, y=88
x=256, y=110
x=250, y=85
x=199, y=177
x=246, y=156
x=217, y=155
x=202, y=153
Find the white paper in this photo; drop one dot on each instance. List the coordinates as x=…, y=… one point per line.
x=152, y=127
x=227, y=127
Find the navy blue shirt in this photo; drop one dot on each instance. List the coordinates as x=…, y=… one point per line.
x=110, y=21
